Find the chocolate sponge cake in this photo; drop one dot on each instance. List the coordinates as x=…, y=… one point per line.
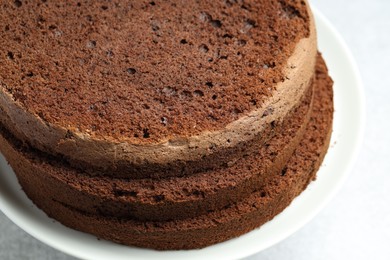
x=163, y=124
x=120, y=88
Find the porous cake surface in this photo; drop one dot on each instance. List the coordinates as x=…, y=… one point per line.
x=129, y=82
x=145, y=70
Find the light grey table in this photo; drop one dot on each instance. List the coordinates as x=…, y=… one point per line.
x=356, y=223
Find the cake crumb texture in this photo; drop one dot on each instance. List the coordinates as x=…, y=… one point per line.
x=127, y=69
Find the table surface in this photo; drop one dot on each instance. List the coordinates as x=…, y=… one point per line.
x=356, y=223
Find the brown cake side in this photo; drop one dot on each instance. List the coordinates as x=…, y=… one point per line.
x=216, y=226
x=169, y=198
x=117, y=86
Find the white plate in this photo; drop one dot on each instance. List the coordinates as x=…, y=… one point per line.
x=346, y=139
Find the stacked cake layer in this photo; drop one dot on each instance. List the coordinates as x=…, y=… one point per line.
x=169, y=125
x=171, y=89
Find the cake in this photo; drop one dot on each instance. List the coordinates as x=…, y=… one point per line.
x=163, y=124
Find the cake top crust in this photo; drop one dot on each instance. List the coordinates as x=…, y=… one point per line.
x=146, y=71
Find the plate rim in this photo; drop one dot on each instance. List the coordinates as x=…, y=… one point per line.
x=14, y=210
